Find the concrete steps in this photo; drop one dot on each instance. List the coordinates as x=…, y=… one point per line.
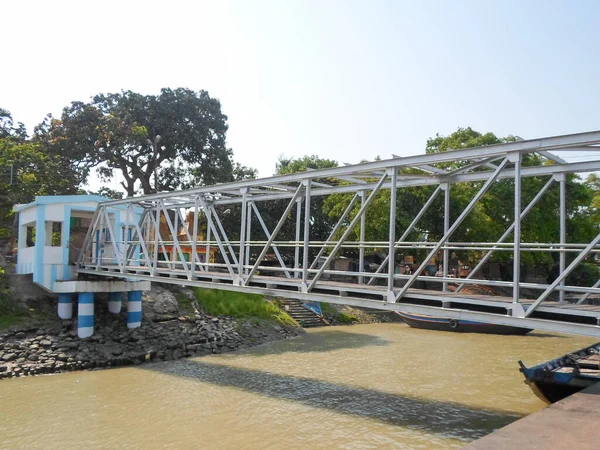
x=305, y=317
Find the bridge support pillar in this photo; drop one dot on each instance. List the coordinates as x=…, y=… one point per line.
x=134, y=309
x=85, y=315
x=65, y=306
x=114, y=302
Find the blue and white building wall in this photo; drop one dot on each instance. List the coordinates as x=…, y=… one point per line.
x=48, y=247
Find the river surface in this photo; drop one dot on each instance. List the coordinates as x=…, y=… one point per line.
x=359, y=387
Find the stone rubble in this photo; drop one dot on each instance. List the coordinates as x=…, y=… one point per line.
x=55, y=350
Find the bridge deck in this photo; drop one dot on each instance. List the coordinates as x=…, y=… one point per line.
x=362, y=295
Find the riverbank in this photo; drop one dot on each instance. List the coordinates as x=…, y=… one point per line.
x=170, y=330
x=569, y=423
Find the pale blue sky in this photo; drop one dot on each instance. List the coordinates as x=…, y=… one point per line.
x=347, y=80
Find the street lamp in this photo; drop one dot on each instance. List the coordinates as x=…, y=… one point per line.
x=154, y=145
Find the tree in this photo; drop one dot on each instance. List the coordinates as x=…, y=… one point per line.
x=26, y=171
x=175, y=140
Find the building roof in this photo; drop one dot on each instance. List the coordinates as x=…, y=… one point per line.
x=54, y=199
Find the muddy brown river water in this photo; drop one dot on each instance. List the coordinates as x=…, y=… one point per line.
x=359, y=387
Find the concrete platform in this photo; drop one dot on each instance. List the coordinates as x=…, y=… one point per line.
x=571, y=423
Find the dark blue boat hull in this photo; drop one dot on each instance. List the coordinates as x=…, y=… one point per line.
x=551, y=386
x=458, y=326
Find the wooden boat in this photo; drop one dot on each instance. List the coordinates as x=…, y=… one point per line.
x=460, y=326
x=558, y=378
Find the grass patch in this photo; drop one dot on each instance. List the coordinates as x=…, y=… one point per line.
x=216, y=302
x=340, y=316
x=185, y=304
x=344, y=317
x=11, y=320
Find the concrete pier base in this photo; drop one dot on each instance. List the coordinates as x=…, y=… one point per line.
x=114, y=302
x=65, y=306
x=571, y=423
x=85, y=315
x=134, y=309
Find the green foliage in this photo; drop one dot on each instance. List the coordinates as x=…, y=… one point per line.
x=238, y=304
x=586, y=274
x=11, y=312
x=179, y=134
x=293, y=165
x=107, y=193
x=185, y=304
x=26, y=171
x=340, y=316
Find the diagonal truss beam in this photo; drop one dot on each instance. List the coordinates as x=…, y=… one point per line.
x=222, y=230
x=211, y=225
x=275, y=232
x=349, y=228
x=266, y=231
x=563, y=275
x=408, y=230
x=335, y=229
x=453, y=228
x=507, y=233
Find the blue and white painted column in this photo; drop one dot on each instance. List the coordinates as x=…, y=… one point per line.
x=114, y=302
x=65, y=306
x=85, y=315
x=134, y=309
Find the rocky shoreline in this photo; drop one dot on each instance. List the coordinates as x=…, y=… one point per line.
x=162, y=337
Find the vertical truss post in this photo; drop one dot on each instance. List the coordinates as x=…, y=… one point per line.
x=243, y=226
x=509, y=230
x=208, y=237
x=516, y=158
x=306, y=232
x=266, y=231
x=563, y=275
x=156, y=219
x=348, y=230
x=446, y=188
x=408, y=230
x=210, y=225
x=195, y=238
x=563, y=230
x=248, y=236
x=297, y=245
x=393, y=173
x=99, y=237
x=454, y=226
x=361, y=252
x=275, y=232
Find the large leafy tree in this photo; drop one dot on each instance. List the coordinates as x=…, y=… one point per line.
x=174, y=140
x=26, y=170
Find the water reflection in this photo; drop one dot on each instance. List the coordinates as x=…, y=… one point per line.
x=320, y=341
x=442, y=418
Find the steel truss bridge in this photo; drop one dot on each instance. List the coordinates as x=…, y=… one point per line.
x=154, y=246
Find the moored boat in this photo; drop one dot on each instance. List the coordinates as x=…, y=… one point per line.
x=558, y=378
x=458, y=325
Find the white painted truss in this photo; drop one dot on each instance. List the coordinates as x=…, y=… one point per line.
x=167, y=244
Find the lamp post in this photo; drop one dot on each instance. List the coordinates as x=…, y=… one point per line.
x=154, y=145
